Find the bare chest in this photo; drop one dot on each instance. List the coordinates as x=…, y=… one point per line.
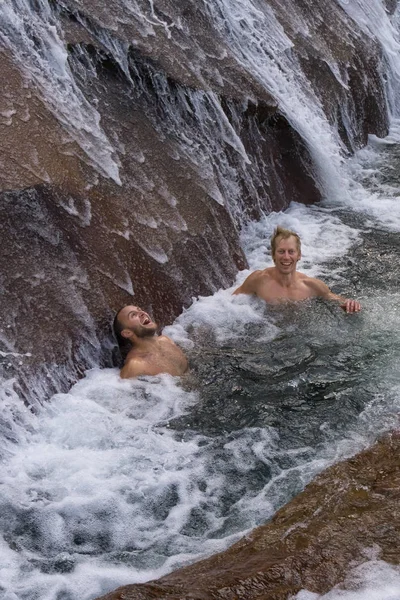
x=273, y=292
x=166, y=357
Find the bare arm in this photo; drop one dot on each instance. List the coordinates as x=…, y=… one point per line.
x=348, y=305
x=249, y=285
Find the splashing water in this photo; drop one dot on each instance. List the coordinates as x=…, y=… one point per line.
x=122, y=481
x=29, y=30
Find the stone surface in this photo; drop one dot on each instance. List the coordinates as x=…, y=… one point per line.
x=347, y=514
x=194, y=145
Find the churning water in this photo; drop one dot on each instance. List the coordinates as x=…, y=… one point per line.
x=122, y=481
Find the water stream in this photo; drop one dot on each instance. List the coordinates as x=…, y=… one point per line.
x=122, y=481
x=119, y=481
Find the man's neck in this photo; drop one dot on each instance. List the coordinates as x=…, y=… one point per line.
x=145, y=343
x=285, y=279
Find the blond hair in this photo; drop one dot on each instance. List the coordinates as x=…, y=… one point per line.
x=283, y=234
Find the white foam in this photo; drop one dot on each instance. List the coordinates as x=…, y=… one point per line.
x=324, y=237
x=373, y=580
x=99, y=458
x=104, y=455
x=375, y=189
x=221, y=317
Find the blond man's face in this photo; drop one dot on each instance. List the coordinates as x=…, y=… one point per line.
x=286, y=255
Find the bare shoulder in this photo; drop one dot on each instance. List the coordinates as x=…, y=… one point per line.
x=250, y=284
x=164, y=339
x=316, y=285
x=138, y=364
x=174, y=351
x=165, y=342
x=135, y=366
x=256, y=275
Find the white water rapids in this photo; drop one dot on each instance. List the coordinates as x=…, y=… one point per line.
x=98, y=490
x=100, y=487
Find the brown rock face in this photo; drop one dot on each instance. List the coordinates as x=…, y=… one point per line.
x=134, y=147
x=309, y=544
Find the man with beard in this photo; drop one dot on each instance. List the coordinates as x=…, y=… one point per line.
x=283, y=282
x=151, y=354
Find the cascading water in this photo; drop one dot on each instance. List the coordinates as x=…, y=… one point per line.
x=250, y=31
x=260, y=43
x=121, y=481
x=29, y=31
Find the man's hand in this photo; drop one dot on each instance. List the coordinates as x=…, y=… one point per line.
x=322, y=290
x=351, y=306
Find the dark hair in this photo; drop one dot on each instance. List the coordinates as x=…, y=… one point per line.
x=117, y=329
x=124, y=345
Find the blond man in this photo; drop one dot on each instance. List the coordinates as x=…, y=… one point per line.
x=283, y=282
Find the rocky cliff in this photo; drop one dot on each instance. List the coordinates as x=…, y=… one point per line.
x=135, y=143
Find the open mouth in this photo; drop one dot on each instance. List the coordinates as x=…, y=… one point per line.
x=145, y=320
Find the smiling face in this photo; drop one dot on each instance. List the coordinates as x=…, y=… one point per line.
x=133, y=320
x=286, y=255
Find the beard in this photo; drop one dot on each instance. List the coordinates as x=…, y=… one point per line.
x=142, y=331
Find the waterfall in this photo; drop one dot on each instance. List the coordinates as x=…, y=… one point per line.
x=266, y=42
x=149, y=150
x=29, y=30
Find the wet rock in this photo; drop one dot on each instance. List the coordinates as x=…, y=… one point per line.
x=309, y=544
x=195, y=146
